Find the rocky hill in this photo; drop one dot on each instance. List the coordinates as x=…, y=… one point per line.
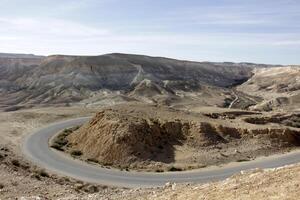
x=15, y=66
x=156, y=138
x=278, y=87
x=29, y=80
x=60, y=79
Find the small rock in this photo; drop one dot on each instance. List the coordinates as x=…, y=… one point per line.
x=78, y=186
x=168, y=184
x=91, y=189
x=173, y=186
x=236, y=151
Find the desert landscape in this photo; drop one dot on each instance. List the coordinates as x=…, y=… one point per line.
x=149, y=100
x=148, y=115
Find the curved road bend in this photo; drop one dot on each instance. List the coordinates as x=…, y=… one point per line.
x=36, y=149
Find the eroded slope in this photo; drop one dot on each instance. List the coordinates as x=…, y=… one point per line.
x=157, y=138
x=278, y=87
x=120, y=77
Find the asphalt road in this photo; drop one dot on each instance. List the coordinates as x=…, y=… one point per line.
x=36, y=149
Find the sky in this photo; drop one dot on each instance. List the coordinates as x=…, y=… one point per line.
x=261, y=31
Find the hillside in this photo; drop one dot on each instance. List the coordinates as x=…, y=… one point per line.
x=13, y=67
x=63, y=79
x=28, y=80
x=278, y=87
x=140, y=136
x=277, y=183
x=20, y=56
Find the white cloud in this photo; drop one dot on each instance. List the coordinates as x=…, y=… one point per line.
x=48, y=28
x=287, y=43
x=48, y=36
x=55, y=36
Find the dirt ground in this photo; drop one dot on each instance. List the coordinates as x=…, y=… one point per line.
x=22, y=180
x=280, y=183
x=18, y=178
x=150, y=138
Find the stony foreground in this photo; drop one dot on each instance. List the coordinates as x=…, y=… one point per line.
x=280, y=183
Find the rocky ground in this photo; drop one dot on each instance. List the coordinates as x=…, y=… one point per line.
x=154, y=138
x=278, y=87
x=179, y=107
x=282, y=183
x=114, y=78
x=22, y=179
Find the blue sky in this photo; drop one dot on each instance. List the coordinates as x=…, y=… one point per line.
x=263, y=31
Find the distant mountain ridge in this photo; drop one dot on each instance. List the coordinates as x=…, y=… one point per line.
x=16, y=55
x=29, y=79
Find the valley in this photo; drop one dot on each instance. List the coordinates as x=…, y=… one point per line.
x=147, y=115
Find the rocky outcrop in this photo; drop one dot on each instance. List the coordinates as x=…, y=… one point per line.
x=116, y=138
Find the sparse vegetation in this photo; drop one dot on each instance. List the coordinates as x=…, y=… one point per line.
x=243, y=160
x=174, y=169
x=36, y=176
x=91, y=189
x=92, y=160
x=60, y=141
x=43, y=173
x=289, y=120
x=76, y=153
x=15, y=163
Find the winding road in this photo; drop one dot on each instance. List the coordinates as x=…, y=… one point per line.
x=36, y=149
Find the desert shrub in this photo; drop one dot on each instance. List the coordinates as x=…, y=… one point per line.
x=42, y=173
x=91, y=189
x=79, y=187
x=75, y=128
x=63, y=180
x=25, y=166
x=243, y=160
x=174, y=169
x=67, y=131
x=93, y=160
x=15, y=163
x=57, y=147
x=60, y=141
x=76, y=153
x=36, y=176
